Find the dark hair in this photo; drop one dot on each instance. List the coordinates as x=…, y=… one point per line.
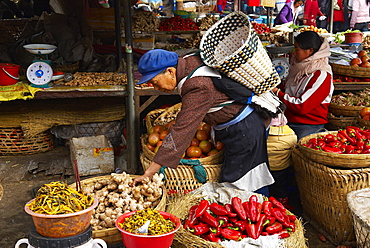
x=296, y=1
x=367, y=1
x=309, y=39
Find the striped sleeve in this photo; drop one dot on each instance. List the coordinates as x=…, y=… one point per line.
x=316, y=89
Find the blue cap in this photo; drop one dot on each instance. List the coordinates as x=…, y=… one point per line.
x=155, y=61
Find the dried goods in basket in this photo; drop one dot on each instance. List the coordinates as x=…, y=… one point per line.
x=111, y=235
x=348, y=161
x=323, y=192
x=340, y=110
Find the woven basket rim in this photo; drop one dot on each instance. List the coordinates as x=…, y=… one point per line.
x=336, y=106
x=348, y=70
x=347, y=161
x=363, y=122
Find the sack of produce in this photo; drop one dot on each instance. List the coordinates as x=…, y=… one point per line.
x=346, y=148
x=219, y=216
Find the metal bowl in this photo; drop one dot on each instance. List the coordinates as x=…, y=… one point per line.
x=254, y=16
x=284, y=48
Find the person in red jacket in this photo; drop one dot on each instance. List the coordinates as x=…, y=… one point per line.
x=308, y=88
x=311, y=12
x=221, y=5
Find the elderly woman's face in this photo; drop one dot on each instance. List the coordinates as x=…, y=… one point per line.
x=165, y=82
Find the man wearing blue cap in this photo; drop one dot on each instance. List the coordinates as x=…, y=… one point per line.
x=238, y=126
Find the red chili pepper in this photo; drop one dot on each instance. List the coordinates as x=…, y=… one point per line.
x=217, y=209
x=246, y=208
x=266, y=207
x=252, y=230
x=313, y=142
x=253, y=211
x=321, y=143
x=231, y=234
x=199, y=229
x=351, y=140
x=230, y=211
x=341, y=138
x=271, y=220
x=260, y=223
x=350, y=149
x=329, y=138
x=222, y=220
x=236, y=203
x=274, y=228
x=264, y=233
x=336, y=143
x=191, y=217
x=242, y=224
x=290, y=227
x=209, y=219
x=332, y=149
x=283, y=234
x=365, y=133
x=279, y=215
x=213, y=238
x=187, y=225
x=216, y=230
x=202, y=207
x=360, y=144
x=292, y=217
x=276, y=203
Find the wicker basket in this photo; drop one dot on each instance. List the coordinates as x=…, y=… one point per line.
x=351, y=71
x=358, y=202
x=13, y=142
x=182, y=180
x=345, y=110
x=113, y=235
x=363, y=123
x=335, y=123
x=349, y=161
x=323, y=193
x=217, y=158
x=152, y=116
x=168, y=115
x=71, y=68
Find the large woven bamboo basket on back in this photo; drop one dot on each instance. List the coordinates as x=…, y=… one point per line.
x=182, y=179
x=349, y=161
x=323, y=191
x=113, y=235
x=231, y=47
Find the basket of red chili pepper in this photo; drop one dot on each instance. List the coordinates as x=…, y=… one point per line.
x=346, y=148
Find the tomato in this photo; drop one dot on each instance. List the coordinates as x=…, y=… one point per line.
x=158, y=129
x=194, y=152
x=201, y=135
x=219, y=146
x=153, y=139
x=366, y=117
x=194, y=142
x=163, y=134
x=206, y=146
x=365, y=111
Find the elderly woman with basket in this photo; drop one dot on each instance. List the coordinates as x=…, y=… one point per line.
x=241, y=127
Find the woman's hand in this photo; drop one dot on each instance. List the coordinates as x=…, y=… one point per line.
x=153, y=168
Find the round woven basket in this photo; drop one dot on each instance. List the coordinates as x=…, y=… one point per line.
x=339, y=110
x=363, y=123
x=335, y=123
x=230, y=47
x=13, y=142
x=349, y=161
x=217, y=158
x=152, y=116
x=182, y=180
x=113, y=235
x=351, y=71
x=168, y=115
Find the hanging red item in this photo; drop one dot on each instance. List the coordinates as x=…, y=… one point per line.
x=254, y=3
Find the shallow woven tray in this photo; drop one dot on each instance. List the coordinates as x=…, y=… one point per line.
x=113, y=235
x=182, y=180
x=335, y=123
x=363, y=123
x=217, y=158
x=360, y=223
x=339, y=110
x=352, y=71
x=323, y=191
x=349, y=161
x=13, y=142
